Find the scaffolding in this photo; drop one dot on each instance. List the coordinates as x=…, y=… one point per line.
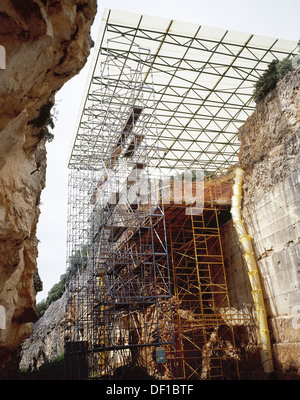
x=147, y=291
x=119, y=307
x=204, y=322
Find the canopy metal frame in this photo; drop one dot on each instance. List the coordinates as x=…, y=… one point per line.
x=203, y=82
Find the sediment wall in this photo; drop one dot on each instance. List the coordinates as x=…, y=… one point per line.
x=270, y=157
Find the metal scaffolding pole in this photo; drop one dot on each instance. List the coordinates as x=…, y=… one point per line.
x=129, y=310
x=204, y=323
x=119, y=317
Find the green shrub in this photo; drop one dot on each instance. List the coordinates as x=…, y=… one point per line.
x=45, y=120
x=42, y=307
x=56, y=291
x=268, y=80
x=53, y=370
x=54, y=294
x=77, y=261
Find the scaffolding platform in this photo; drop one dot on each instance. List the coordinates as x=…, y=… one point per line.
x=143, y=274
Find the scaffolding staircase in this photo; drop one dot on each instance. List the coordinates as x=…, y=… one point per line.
x=205, y=338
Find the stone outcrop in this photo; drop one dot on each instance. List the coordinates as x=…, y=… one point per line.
x=46, y=43
x=47, y=341
x=270, y=156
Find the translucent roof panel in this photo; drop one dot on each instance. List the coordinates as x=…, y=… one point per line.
x=203, y=80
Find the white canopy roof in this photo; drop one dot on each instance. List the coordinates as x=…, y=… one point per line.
x=203, y=81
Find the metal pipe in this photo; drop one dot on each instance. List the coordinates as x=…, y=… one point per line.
x=245, y=239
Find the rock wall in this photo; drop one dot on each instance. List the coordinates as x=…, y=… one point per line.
x=46, y=43
x=47, y=340
x=270, y=157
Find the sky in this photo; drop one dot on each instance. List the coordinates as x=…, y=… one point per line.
x=273, y=18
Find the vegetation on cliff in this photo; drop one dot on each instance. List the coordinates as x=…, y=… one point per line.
x=49, y=371
x=76, y=262
x=54, y=294
x=268, y=80
x=45, y=120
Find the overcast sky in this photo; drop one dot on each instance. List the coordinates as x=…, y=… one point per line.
x=274, y=18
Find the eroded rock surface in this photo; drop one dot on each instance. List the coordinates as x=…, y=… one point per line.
x=270, y=156
x=47, y=341
x=46, y=43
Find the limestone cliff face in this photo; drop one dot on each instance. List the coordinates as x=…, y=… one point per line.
x=46, y=43
x=47, y=341
x=270, y=156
